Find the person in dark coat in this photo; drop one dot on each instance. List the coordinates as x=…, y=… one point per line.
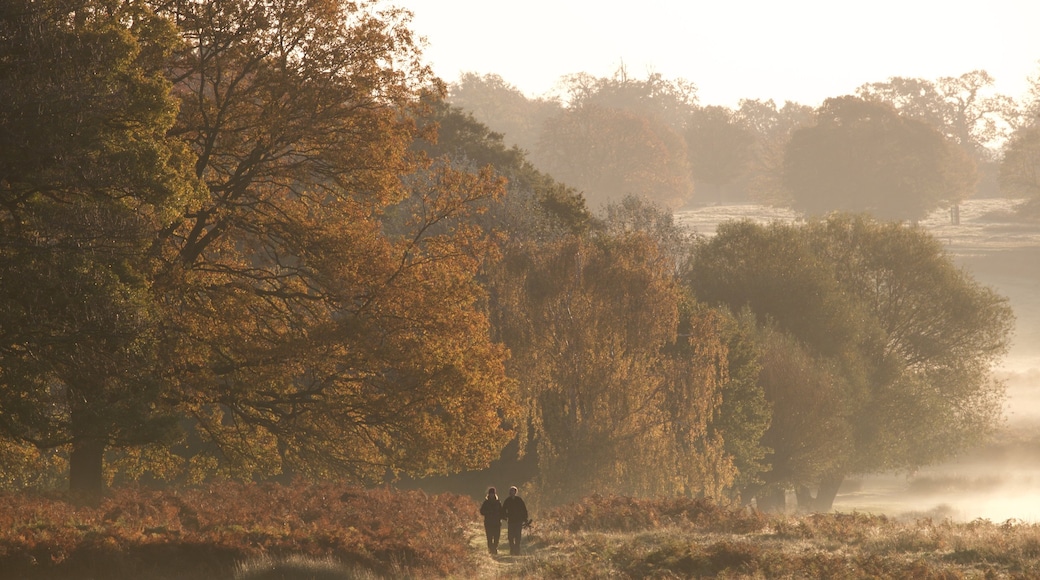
x=514, y=511
x=491, y=509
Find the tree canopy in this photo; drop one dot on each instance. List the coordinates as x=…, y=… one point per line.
x=861, y=156
x=904, y=339
x=231, y=271
x=244, y=239
x=719, y=149
x=87, y=182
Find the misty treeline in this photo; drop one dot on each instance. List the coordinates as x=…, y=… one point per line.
x=253, y=240
x=897, y=149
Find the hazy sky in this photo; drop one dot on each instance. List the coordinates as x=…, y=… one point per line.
x=799, y=50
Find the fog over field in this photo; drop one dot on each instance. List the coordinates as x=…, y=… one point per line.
x=1002, y=480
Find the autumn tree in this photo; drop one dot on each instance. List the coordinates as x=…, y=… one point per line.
x=908, y=336
x=771, y=128
x=719, y=150
x=619, y=401
x=861, y=156
x=959, y=107
x=963, y=108
x=610, y=153
x=318, y=328
x=503, y=108
x=88, y=180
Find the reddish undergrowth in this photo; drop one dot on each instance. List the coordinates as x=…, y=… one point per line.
x=207, y=532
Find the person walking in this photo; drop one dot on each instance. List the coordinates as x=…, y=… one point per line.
x=491, y=509
x=514, y=511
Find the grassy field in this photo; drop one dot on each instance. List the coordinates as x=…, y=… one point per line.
x=328, y=532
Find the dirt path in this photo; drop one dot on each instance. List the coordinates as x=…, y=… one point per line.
x=491, y=567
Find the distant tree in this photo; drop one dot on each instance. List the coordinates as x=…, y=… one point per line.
x=771, y=128
x=620, y=136
x=88, y=180
x=610, y=153
x=959, y=108
x=861, y=156
x=1020, y=167
x=535, y=206
x=882, y=308
x=1029, y=110
x=665, y=101
x=503, y=107
x=719, y=150
x=1019, y=174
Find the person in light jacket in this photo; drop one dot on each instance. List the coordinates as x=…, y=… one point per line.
x=514, y=511
x=491, y=509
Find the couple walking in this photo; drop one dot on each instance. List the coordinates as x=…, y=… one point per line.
x=513, y=510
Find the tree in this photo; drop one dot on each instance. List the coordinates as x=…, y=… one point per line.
x=864, y=157
x=771, y=128
x=959, y=108
x=909, y=336
x=503, y=108
x=620, y=136
x=535, y=207
x=744, y=413
x=956, y=106
x=810, y=434
x=617, y=400
x=1020, y=167
x=1019, y=174
x=323, y=306
x=940, y=334
x=718, y=148
x=665, y=101
x=611, y=153
x=87, y=181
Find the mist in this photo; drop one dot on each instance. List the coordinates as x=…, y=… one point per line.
x=1000, y=480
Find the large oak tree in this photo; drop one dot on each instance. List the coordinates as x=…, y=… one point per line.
x=324, y=311
x=270, y=277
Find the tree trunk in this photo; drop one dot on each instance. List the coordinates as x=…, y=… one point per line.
x=829, y=486
x=772, y=499
x=86, y=462
x=806, y=501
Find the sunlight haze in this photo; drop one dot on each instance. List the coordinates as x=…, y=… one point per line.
x=804, y=50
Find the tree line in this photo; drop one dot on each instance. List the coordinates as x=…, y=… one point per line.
x=897, y=149
x=255, y=240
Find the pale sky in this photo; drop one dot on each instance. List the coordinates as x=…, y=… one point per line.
x=799, y=50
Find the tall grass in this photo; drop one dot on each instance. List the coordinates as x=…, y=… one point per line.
x=330, y=532
x=208, y=532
